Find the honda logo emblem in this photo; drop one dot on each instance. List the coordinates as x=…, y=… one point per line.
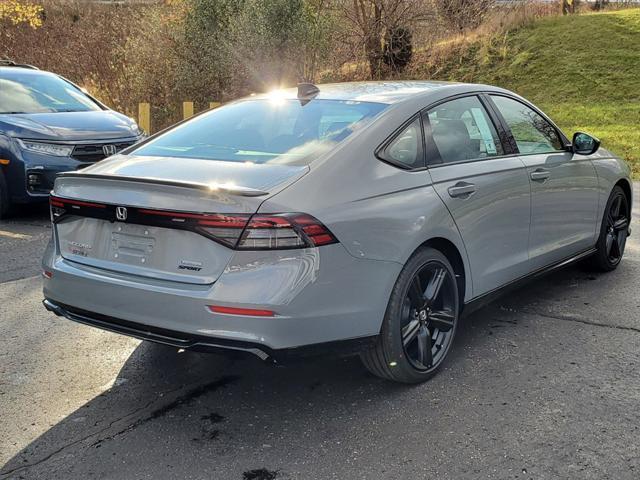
x=121, y=213
x=109, y=150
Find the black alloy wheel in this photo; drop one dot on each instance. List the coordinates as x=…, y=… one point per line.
x=613, y=232
x=420, y=321
x=617, y=227
x=428, y=316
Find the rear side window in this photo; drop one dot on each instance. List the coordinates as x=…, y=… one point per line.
x=405, y=149
x=461, y=130
x=532, y=133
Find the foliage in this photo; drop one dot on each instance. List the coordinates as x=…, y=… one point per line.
x=271, y=36
x=205, y=47
x=232, y=47
x=465, y=14
x=16, y=13
x=579, y=83
x=68, y=40
x=215, y=50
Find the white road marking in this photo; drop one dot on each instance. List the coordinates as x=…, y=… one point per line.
x=18, y=236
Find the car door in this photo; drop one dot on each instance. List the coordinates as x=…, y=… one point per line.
x=564, y=186
x=484, y=187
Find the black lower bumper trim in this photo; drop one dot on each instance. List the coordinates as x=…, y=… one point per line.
x=189, y=341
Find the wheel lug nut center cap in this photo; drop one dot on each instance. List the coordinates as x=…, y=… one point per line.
x=423, y=315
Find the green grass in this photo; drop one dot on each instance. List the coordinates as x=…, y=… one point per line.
x=582, y=70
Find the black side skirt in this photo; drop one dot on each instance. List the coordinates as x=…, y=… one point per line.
x=482, y=300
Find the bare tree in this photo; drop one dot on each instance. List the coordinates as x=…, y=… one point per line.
x=373, y=19
x=318, y=44
x=464, y=14
x=599, y=4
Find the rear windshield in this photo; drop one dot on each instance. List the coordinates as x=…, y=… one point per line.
x=264, y=131
x=40, y=93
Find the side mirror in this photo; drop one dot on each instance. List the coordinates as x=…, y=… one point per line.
x=584, y=144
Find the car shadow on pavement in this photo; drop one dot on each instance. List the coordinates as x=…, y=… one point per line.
x=158, y=384
x=231, y=404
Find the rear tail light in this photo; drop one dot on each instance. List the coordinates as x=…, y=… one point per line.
x=254, y=232
x=238, y=231
x=225, y=229
x=283, y=231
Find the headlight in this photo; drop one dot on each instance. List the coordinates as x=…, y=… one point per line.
x=136, y=129
x=46, y=148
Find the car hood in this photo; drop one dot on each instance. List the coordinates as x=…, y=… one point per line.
x=65, y=126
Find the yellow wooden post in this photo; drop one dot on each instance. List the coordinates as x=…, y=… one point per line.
x=214, y=104
x=144, y=117
x=187, y=110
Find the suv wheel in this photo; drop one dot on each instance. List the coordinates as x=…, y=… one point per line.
x=420, y=321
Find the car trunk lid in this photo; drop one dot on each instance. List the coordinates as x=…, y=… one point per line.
x=150, y=216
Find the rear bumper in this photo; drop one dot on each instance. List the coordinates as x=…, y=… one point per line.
x=319, y=296
x=205, y=344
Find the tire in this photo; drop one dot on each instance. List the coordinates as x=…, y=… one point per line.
x=613, y=232
x=420, y=321
x=4, y=197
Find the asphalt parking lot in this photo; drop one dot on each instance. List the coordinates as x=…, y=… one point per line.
x=543, y=383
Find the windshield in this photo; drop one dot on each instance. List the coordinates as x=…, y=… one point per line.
x=40, y=93
x=264, y=131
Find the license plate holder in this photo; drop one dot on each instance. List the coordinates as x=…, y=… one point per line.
x=131, y=245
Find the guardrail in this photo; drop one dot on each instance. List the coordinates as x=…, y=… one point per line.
x=144, y=113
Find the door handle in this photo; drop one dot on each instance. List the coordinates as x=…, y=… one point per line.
x=461, y=189
x=540, y=175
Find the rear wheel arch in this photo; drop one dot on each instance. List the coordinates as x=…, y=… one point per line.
x=451, y=251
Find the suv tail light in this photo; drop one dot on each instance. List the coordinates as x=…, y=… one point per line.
x=238, y=231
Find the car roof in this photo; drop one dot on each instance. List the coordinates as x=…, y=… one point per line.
x=388, y=92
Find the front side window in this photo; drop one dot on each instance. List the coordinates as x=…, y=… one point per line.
x=29, y=92
x=532, y=133
x=264, y=131
x=461, y=130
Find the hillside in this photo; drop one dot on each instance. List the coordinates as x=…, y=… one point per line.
x=583, y=70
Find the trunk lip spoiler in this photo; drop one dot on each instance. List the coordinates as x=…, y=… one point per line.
x=211, y=188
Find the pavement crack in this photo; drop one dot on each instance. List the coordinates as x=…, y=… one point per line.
x=164, y=409
x=189, y=396
x=584, y=321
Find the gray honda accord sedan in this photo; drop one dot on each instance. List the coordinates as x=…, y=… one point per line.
x=357, y=217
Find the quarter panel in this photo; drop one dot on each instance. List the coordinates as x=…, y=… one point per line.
x=378, y=213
